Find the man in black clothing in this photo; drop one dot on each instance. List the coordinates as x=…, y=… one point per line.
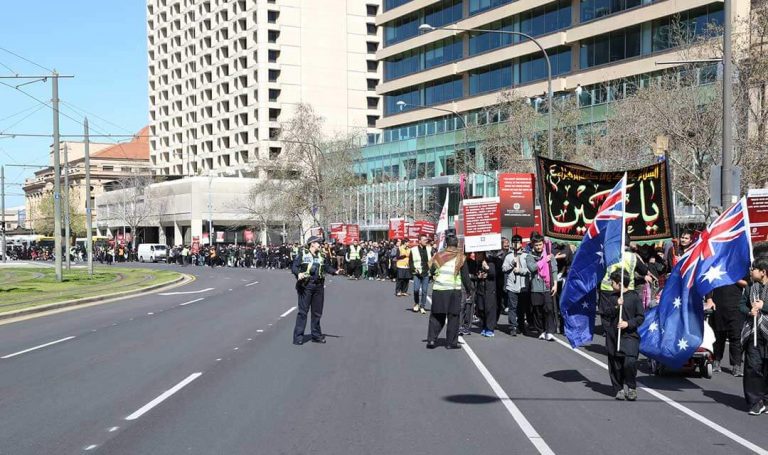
x=309, y=267
x=625, y=315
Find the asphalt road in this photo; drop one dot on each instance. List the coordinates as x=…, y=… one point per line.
x=173, y=374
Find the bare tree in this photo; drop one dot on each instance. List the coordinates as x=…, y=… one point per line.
x=135, y=206
x=310, y=177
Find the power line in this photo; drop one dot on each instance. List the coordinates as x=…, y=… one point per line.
x=22, y=119
x=26, y=59
x=18, y=113
x=9, y=68
x=91, y=114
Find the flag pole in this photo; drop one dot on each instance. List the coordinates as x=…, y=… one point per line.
x=754, y=326
x=621, y=256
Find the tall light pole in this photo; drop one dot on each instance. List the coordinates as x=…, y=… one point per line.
x=428, y=28
x=726, y=172
x=4, y=249
x=88, y=208
x=56, y=180
x=67, y=214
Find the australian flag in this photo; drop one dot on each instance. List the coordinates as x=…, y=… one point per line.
x=674, y=329
x=601, y=247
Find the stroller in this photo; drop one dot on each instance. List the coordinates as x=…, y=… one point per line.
x=702, y=359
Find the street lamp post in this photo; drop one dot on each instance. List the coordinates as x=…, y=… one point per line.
x=428, y=28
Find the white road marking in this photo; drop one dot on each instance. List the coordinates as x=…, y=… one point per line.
x=229, y=290
x=512, y=408
x=690, y=413
x=91, y=447
x=250, y=339
x=218, y=360
x=187, y=292
x=251, y=284
x=192, y=301
x=36, y=348
x=164, y=396
x=259, y=331
x=288, y=312
x=150, y=314
x=113, y=429
x=236, y=349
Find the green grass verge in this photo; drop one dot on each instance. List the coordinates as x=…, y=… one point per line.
x=22, y=288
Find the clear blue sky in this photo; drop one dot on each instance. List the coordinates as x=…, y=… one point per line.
x=101, y=42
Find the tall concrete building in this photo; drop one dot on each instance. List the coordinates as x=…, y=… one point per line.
x=603, y=47
x=224, y=74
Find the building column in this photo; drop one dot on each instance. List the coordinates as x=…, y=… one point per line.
x=161, y=235
x=177, y=235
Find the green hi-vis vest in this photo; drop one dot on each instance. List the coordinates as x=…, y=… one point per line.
x=445, y=280
x=309, y=260
x=417, y=265
x=354, y=253
x=628, y=262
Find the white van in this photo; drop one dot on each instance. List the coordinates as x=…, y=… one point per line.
x=152, y=252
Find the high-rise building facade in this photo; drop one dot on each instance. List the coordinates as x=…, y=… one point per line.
x=432, y=65
x=224, y=74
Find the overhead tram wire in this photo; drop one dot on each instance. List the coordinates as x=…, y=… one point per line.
x=22, y=119
x=91, y=114
x=18, y=113
x=26, y=60
x=8, y=67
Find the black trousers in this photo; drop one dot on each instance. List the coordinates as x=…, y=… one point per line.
x=355, y=268
x=727, y=326
x=401, y=285
x=436, y=323
x=310, y=298
x=488, y=310
x=524, y=315
x=543, y=308
x=623, y=371
x=755, y=372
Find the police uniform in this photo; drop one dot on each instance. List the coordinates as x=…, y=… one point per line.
x=311, y=291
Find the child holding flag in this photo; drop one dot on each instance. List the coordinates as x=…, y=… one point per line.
x=624, y=316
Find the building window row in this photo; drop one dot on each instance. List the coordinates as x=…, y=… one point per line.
x=478, y=6
x=518, y=71
x=439, y=15
x=535, y=22
x=434, y=54
x=389, y=4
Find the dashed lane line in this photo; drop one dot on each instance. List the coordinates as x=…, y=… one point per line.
x=36, y=348
x=164, y=396
x=191, y=301
x=291, y=310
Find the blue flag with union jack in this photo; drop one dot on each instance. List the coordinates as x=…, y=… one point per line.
x=600, y=248
x=674, y=329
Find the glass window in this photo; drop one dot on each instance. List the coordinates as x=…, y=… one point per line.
x=410, y=96
x=401, y=65
x=447, y=12
x=389, y=4
x=595, y=9
x=490, y=78
x=443, y=52
x=443, y=91
x=478, y=6
x=611, y=47
x=401, y=29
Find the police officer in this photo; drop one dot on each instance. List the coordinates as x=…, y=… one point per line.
x=353, y=259
x=309, y=267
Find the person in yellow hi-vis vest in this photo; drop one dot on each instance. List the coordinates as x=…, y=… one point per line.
x=449, y=277
x=632, y=264
x=419, y=262
x=353, y=259
x=403, y=269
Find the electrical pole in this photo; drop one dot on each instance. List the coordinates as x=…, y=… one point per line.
x=56, y=179
x=726, y=176
x=4, y=250
x=88, y=208
x=67, y=214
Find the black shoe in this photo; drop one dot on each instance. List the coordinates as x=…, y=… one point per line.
x=298, y=342
x=320, y=340
x=757, y=409
x=431, y=345
x=453, y=346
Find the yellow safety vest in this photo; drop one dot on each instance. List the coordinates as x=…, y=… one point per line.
x=445, y=279
x=310, y=260
x=417, y=257
x=628, y=262
x=354, y=253
x=403, y=263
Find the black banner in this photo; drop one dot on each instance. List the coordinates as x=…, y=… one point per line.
x=572, y=194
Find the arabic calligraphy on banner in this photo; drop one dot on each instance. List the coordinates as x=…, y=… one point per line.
x=572, y=194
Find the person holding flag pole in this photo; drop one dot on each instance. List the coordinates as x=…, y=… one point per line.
x=754, y=338
x=442, y=224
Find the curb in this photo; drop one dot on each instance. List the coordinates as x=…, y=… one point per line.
x=183, y=279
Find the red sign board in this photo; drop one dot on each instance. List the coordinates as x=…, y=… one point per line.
x=316, y=232
x=206, y=239
x=345, y=233
x=396, y=228
x=195, y=244
x=248, y=236
x=482, y=224
x=220, y=237
x=426, y=228
x=525, y=232
x=757, y=206
x=516, y=192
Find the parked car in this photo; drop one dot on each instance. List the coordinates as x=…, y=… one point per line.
x=152, y=252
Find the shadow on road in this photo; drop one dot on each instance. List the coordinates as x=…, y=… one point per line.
x=576, y=376
x=471, y=399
